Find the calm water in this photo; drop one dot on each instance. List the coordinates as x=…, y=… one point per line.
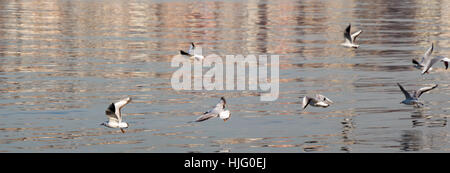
x=62, y=63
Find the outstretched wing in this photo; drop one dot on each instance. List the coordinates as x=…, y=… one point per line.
x=430, y=63
x=356, y=34
x=429, y=51
x=414, y=61
x=184, y=53
x=306, y=101
x=111, y=112
x=407, y=96
x=120, y=104
x=206, y=116
x=191, y=49
x=347, y=36
x=420, y=91
x=219, y=107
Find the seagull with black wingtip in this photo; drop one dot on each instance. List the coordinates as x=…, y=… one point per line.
x=217, y=111
x=414, y=99
x=427, y=60
x=192, y=53
x=318, y=101
x=115, y=115
x=350, y=38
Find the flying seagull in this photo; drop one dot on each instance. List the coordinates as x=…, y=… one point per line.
x=414, y=99
x=192, y=53
x=115, y=116
x=427, y=60
x=217, y=111
x=350, y=39
x=318, y=101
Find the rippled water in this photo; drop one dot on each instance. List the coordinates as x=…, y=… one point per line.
x=62, y=63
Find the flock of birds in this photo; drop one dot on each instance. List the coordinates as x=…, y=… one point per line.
x=115, y=116
x=425, y=64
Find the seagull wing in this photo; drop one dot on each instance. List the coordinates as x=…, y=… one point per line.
x=416, y=62
x=430, y=63
x=420, y=91
x=219, y=107
x=206, y=116
x=306, y=101
x=422, y=61
x=347, y=36
x=356, y=34
x=111, y=112
x=191, y=49
x=119, y=105
x=184, y=53
x=407, y=96
x=429, y=51
x=213, y=112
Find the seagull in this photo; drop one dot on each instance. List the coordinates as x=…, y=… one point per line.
x=427, y=61
x=217, y=111
x=319, y=101
x=115, y=116
x=192, y=53
x=350, y=39
x=414, y=100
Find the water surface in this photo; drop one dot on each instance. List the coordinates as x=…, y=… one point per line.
x=62, y=62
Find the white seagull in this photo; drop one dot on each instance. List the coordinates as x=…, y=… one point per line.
x=414, y=99
x=115, y=116
x=350, y=39
x=319, y=101
x=192, y=53
x=427, y=61
x=217, y=111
